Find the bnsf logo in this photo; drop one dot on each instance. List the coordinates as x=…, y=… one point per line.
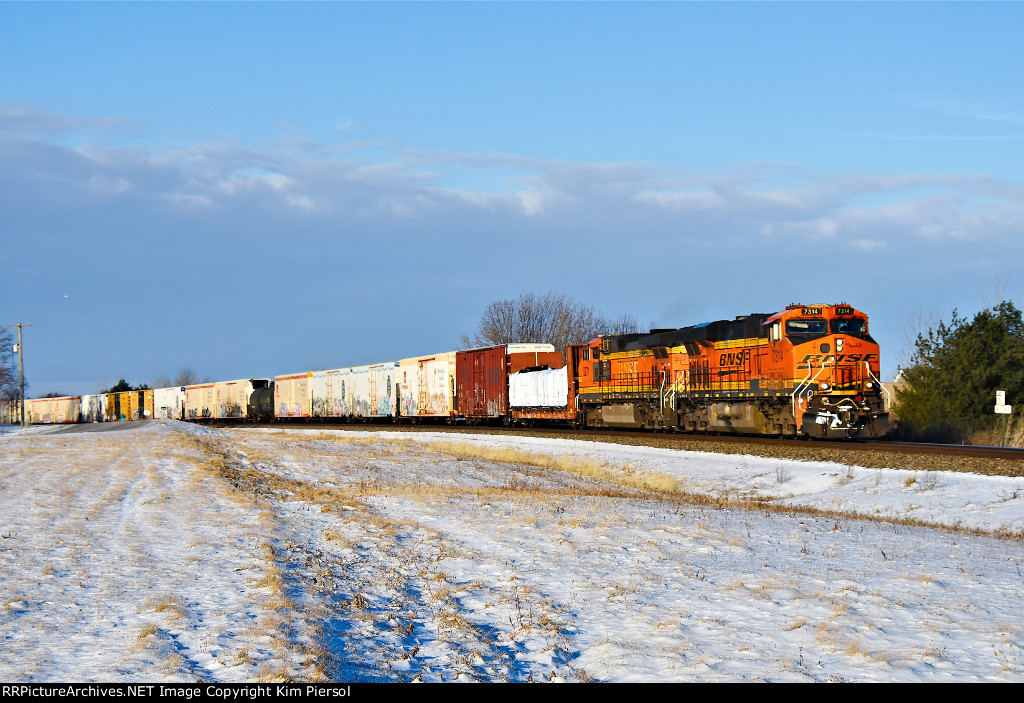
x=734, y=358
x=832, y=359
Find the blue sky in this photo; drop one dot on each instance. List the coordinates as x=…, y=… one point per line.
x=257, y=189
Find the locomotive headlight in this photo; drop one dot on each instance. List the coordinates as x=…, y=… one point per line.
x=839, y=344
x=824, y=386
x=869, y=384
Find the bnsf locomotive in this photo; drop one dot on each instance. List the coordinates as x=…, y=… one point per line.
x=808, y=370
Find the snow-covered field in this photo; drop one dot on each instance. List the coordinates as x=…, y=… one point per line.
x=169, y=552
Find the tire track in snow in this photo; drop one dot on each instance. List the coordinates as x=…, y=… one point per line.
x=375, y=588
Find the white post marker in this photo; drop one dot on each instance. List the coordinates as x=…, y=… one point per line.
x=1001, y=407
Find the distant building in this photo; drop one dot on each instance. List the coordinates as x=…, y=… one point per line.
x=890, y=395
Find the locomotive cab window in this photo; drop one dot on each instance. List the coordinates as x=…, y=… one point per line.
x=857, y=327
x=849, y=326
x=805, y=330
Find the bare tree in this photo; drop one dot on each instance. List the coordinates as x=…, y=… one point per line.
x=9, y=384
x=623, y=324
x=999, y=288
x=919, y=321
x=550, y=318
x=186, y=376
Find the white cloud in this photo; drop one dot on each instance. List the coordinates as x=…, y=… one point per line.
x=26, y=120
x=190, y=200
x=110, y=186
x=532, y=202
x=863, y=212
x=682, y=201
x=301, y=202
x=248, y=180
x=866, y=245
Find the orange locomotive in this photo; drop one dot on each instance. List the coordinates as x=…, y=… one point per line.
x=808, y=370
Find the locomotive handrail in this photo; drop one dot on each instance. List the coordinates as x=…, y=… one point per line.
x=881, y=386
x=661, y=390
x=805, y=385
x=673, y=390
x=799, y=389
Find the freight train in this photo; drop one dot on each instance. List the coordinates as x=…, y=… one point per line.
x=807, y=370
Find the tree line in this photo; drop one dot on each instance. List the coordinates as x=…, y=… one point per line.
x=186, y=376
x=947, y=392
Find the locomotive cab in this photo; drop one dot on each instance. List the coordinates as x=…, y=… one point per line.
x=833, y=366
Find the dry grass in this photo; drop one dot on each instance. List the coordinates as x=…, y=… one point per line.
x=170, y=604
x=623, y=475
x=796, y=624
x=1011, y=436
x=272, y=673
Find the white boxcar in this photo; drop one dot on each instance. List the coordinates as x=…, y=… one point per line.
x=329, y=388
x=362, y=391
x=45, y=411
x=199, y=402
x=94, y=407
x=384, y=389
x=168, y=403
x=355, y=391
x=293, y=395
x=427, y=385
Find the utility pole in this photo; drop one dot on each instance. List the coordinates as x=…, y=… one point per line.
x=21, y=371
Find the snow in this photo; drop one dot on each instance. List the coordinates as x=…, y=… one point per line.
x=169, y=552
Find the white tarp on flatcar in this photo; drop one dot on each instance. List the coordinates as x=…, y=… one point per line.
x=548, y=388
